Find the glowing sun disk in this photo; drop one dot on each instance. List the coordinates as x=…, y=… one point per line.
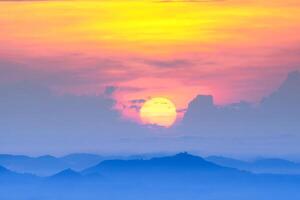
x=158, y=111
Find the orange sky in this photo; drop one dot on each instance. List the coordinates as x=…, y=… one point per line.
x=234, y=50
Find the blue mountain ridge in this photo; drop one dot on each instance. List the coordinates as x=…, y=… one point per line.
x=179, y=177
x=265, y=165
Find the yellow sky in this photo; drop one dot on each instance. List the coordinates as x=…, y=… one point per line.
x=137, y=26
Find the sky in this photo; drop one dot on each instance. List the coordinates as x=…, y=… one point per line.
x=70, y=54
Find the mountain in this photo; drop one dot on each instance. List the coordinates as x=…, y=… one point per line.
x=274, y=166
x=4, y=171
x=275, y=162
x=279, y=166
x=68, y=174
x=44, y=165
x=179, y=177
x=181, y=165
x=80, y=161
x=49, y=165
x=8, y=177
x=227, y=162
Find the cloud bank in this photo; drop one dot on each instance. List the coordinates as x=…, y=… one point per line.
x=34, y=120
x=277, y=113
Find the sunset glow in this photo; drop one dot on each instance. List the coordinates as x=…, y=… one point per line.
x=233, y=50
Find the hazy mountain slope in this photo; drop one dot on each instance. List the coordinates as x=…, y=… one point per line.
x=44, y=165
x=274, y=166
x=48, y=165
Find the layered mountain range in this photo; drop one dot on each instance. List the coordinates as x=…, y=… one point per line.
x=168, y=177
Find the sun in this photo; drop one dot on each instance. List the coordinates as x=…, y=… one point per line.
x=158, y=111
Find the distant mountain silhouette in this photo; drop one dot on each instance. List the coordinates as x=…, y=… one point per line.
x=275, y=166
x=44, y=165
x=49, y=165
x=275, y=162
x=68, y=174
x=227, y=162
x=179, y=177
x=80, y=161
x=3, y=170
x=182, y=162
x=10, y=177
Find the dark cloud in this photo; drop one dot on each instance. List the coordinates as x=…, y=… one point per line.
x=110, y=90
x=135, y=107
x=274, y=115
x=34, y=119
x=90, y=77
x=181, y=110
x=169, y=63
x=137, y=101
x=270, y=127
x=136, y=104
x=52, y=74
